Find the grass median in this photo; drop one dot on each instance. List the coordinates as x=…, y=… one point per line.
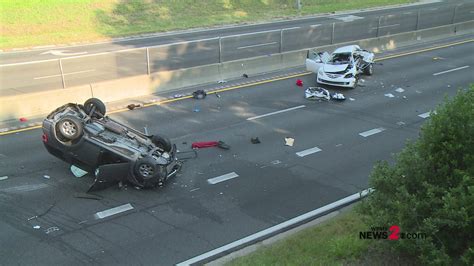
x=42, y=22
x=334, y=242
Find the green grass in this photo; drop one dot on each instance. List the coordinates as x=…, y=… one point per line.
x=335, y=242
x=39, y=22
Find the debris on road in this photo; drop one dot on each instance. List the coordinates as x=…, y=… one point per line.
x=400, y=90
x=275, y=162
x=133, y=106
x=217, y=95
x=77, y=172
x=199, y=94
x=196, y=109
x=255, y=140
x=401, y=123
x=208, y=144
x=338, y=96
x=317, y=93
x=178, y=96
x=299, y=83
x=46, y=176
x=389, y=95
x=3, y=178
x=23, y=119
x=51, y=229
x=289, y=141
x=245, y=76
x=351, y=99
x=221, y=81
x=36, y=227
x=87, y=196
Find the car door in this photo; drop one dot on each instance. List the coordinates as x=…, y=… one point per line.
x=315, y=60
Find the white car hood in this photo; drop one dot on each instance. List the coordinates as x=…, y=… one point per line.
x=334, y=68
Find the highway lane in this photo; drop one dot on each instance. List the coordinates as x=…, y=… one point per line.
x=257, y=41
x=190, y=216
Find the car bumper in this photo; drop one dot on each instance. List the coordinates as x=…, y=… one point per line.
x=340, y=82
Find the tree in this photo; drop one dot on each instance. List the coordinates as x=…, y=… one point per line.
x=430, y=187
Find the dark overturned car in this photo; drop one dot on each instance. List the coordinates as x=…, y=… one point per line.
x=83, y=136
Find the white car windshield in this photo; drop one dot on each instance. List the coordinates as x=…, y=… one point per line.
x=340, y=58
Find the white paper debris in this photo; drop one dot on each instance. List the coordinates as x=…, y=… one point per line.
x=389, y=95
x=51, y=229
x=400, y=90
x=3, y=178
x=404, y=97
x=77, y=172
x=46, y=176
x=289, y=142
x=275, y=162
x=36, y=227
x=352, y=99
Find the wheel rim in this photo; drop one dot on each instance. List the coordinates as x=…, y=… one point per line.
x=146, y=170
x=68, y=128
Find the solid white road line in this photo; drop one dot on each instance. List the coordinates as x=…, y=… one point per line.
x=308, y=152
x=277, y=227
x=222, y=178
x=371, y=132
x=450, y=70
x=72, y=73
x=277, y=112
x=424, y=115
x=256, y=45
x=113, y=211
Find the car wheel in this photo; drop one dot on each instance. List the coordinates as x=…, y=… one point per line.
x=356, y=82
x=148, y=174
x=162, y=142
x=369, y=70
x=69, y=127
x=95, y=108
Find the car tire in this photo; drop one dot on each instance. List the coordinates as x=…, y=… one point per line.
x=95, y=105
x=69, y=128
x=147, y=173
x=369, y=70
x=161, y=142
x=356, y=82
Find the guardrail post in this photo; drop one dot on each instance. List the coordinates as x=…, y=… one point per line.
x=454, y=14
x=220, y=49
x=332, y=34
x=148, y=61
x=62, y=73
x=417, y=20
x=281, y=41
x=378, y=26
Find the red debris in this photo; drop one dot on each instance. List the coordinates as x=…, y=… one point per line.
x=23, y=119
x=299, y=83
x=204, y=144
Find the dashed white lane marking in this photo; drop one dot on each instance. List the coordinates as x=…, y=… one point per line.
x=371, y=132
x=113, y=211
x=24, y=188
x=72, y=73
x=424, y=115
x=276, y=112
x=308, y=152
x=256, y=45
x=222, y=178
x=450, y=70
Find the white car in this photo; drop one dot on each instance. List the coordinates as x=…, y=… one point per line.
x=343, y=67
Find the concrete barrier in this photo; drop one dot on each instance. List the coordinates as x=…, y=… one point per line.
x=34, y=104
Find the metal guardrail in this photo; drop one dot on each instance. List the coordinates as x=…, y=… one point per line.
x=86, y=69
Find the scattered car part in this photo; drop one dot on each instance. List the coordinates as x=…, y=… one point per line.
x=289, y=141
x=199, y=94
x=83, y=136
x=255, y=140
x=317, y=93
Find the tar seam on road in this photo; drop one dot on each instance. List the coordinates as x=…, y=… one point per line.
x=450, y=70
x=424, y=115
x=371, y=132
x=308, y=152
x=276, y=112
x=113, y=211
x=276, y=228
x=12, y=131
x=222, y=178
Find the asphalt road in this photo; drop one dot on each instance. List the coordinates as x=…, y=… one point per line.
x=190, y=216
x=94, y=63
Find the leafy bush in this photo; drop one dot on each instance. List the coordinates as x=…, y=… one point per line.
x=430, y=188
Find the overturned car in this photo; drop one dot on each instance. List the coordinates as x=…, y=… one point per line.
x=343, y=67
x=83, y=136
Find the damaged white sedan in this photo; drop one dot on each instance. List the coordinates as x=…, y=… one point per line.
x=342, y=68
